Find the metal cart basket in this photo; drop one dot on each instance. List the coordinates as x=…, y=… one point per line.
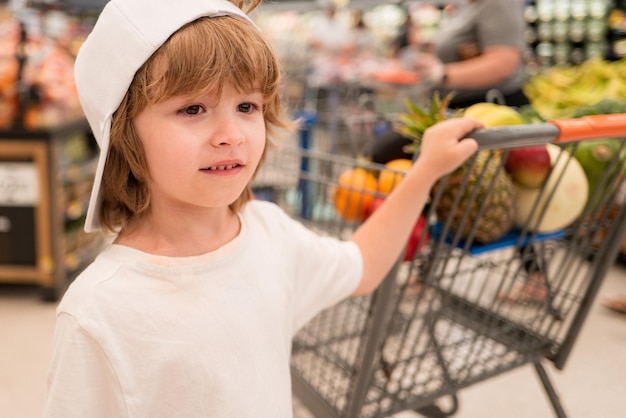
x=438, y=322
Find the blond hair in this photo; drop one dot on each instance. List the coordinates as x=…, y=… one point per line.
x=199, y=58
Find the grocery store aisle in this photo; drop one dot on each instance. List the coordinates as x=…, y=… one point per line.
x=593, y=384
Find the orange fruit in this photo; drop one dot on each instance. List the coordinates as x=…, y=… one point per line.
x=354, y=193
x=389, y=179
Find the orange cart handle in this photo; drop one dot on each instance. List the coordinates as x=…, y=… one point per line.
x=554, y=131
x=588, y=127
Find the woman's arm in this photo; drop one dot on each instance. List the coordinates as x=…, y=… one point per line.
x=494, y=65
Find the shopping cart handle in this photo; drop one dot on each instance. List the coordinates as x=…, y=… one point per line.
x=589, y=127
x=515, y=136
x=563, y=130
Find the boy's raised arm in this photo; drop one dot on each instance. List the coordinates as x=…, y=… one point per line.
x=382, y=237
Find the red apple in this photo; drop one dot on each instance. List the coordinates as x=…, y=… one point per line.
x=528, y=166
x=373, y=206
x=416, y=233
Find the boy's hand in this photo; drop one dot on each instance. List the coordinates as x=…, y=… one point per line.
x=440, y=153
x=442, y=148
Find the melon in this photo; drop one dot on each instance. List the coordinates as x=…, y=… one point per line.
x=559, y=202
x=491, y=114
x=595, y=157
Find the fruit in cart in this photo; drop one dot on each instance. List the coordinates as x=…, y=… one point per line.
x=354, y=193
x=485, y=199
x=528, y=166
x=419, y=235
x=493, y=187
x=491, y=114
x=559, y=202
x=595, y=158
x=487, y=196
x=414, y=245
x=479, y=110
x=390, y=177
x=416, y=120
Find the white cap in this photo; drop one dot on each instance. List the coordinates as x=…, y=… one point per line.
x=126, y=34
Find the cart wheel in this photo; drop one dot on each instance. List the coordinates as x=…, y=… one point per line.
x=434, y=411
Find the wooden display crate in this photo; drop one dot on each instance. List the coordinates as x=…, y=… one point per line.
x=42, y=200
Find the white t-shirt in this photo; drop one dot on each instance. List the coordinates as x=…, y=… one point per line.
x=140, y=335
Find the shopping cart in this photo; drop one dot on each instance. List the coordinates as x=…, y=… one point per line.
x=437, y=324
x=348, y=113
x=343, y=116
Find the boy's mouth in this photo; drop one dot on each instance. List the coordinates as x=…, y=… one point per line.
x=222, y=167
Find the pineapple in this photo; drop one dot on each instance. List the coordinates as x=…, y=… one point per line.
x=486, y=203
x=413, y=123
x=487, y=197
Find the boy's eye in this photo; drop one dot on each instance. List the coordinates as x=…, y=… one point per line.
x=246, y=107
x=192, y=110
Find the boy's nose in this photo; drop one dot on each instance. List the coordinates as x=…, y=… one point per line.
x=226, y=132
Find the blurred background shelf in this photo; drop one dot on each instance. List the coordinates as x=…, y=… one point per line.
x=43, y=174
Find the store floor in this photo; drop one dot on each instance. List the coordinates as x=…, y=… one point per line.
x=592, y=385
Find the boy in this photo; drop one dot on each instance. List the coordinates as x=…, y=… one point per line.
x=190, y=312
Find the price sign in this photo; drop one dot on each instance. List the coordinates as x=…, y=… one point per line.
x=19, y=184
